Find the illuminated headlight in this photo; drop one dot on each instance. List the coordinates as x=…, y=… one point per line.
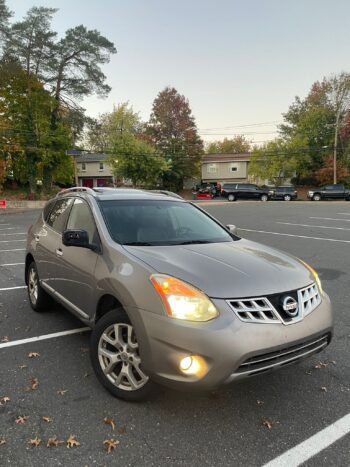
x=183, y=301
x=316, y=277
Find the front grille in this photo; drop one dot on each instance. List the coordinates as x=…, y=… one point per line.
x=270, y=309
x=269, y=361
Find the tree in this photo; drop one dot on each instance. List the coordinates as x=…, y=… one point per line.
x=173, y=131
x=326, y=173
x=131, y=156
x=274, y=161
x=5, y=15
x=70, y=68
x=237, y=145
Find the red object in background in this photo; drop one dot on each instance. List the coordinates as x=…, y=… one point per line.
x=2, y=203
x=102, y=182
x=88, y=182
x=204, y=196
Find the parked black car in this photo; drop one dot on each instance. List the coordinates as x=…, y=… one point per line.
x=337, y=191
x=233, y=191
x=287, y=193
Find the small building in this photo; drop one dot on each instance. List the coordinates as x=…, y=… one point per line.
x=225, y=167
x=93, y=171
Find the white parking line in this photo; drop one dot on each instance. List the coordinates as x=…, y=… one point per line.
x=15, y=249
x=14, y=233
x=310, y=225
x=331, y=219
x=13, y=288
x=10, y=241
x=43, y=337
x=5, y=224
x=313, y=445
x=299, y=236
x=9, y=228
x=11, y=264
x=344, y=213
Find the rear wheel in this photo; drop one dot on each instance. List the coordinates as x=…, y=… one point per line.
x=39, y=300
x=287, y=197
x=264, y=198
x=231, y=197
x=116, y=360
x=316, y=197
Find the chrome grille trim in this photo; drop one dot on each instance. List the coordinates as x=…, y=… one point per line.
x=279, y=358
x=256, y=310
x=261, y=310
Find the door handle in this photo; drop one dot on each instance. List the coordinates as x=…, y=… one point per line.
x=59, y=252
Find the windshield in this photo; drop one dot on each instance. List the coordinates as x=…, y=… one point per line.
x=157, y=222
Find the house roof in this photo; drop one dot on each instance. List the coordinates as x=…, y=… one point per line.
x=91, y=157
x=226, y=157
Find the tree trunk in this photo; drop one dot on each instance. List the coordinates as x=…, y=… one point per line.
x=47, y=179
x=31, y=171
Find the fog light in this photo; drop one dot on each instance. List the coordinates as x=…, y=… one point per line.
x=193, y=365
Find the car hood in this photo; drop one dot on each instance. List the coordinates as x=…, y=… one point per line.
x=227, y=270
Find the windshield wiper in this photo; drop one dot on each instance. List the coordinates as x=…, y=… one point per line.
x=138, y=244
x=193, y=242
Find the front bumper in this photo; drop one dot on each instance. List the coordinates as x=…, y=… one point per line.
x=227, y=344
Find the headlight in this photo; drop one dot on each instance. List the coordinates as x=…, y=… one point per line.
x=310, y=193
x=181, y=300
x=314, y=273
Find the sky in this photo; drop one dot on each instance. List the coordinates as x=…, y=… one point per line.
x=240, y=63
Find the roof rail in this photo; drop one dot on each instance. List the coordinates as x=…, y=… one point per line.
x=85, y=189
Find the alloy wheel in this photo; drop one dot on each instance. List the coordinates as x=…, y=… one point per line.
x=33, y=286
x=119, y=358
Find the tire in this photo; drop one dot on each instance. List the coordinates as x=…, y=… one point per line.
x=39, y=300
x=133, y=385
x=231, y=197
x=287, y=198
x=264, y=198
x=316, y=197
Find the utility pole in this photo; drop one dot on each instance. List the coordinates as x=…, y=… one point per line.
x=335, y=146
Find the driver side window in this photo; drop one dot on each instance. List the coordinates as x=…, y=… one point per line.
x=81, y=219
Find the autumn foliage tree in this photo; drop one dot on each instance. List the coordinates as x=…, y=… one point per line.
x=172, y=129
x=237, y=145
x=325, y=174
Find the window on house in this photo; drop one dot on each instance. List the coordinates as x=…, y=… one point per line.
x=101, y=166
x=83, y=166
x=233, y=168
x=211, y=168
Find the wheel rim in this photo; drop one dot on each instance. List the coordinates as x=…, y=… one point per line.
x=33, y=286
x=231, y=198
x=264, y=198
x=119, y=358
x=287, y=198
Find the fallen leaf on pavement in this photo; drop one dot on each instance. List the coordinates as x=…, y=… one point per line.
x=110, y=444
x=33, y=354
x=4, y=399
x=324, y=389
x=268, y=423
x=20, y=420
x=34, y=442
x=62, y=392
x=22, y=366
x=5, y=339
x=34, y=384
x=321, y=365
x=2, y=441
x=47, y=419
x=53, y=441
x=259, y=402
x=109, y=421
x=72, y=442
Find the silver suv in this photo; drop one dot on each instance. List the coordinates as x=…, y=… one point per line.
x=172, y=296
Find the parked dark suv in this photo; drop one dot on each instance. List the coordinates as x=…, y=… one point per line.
x=233, y=191
x=287, y=193
x=335, y=191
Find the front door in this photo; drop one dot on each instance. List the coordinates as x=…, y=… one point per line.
x=76, y=281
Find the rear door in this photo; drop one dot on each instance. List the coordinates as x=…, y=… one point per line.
x=75, y=281
x=48, y=240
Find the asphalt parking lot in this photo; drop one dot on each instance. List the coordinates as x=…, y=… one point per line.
x=248, y=424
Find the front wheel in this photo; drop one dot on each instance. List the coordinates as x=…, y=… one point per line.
x=316, y=198
x=287, y=198
x=264, y=198
x=116, y=360
x=231, y=197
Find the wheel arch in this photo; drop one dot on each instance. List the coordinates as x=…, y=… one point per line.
x=29, y=260
x=105, y=304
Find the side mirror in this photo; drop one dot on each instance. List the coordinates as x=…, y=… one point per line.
x=232, y=228
x=79, y=238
